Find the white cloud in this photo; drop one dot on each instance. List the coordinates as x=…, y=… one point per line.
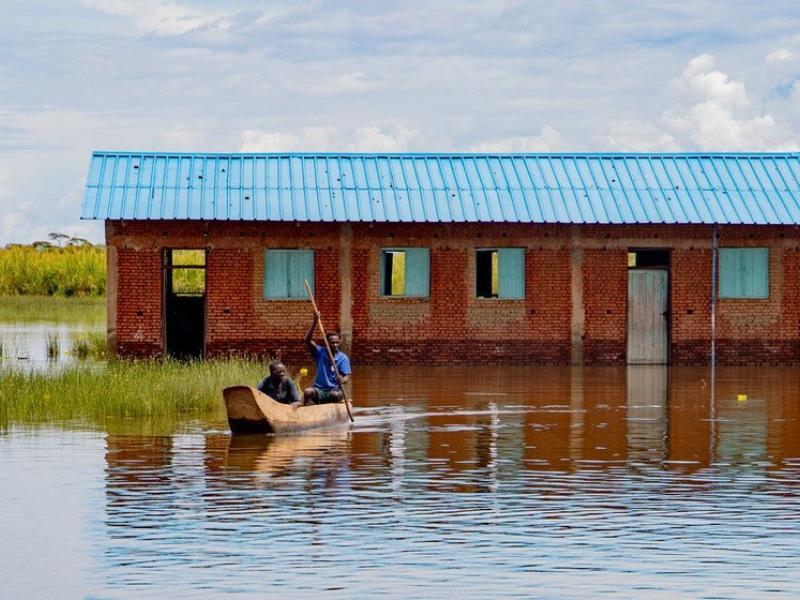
x=701, y=77
x=548, y=140
x=325, y=84
x=350, y=75
x=375, y=139
x=322, y=139
x=635, y=136
x=780, y=55
x=718, y=117
x=162, y=17
x=182, y=137
x=308, y=139
x=709, y=111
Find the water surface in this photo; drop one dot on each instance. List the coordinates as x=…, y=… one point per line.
x=490, y=482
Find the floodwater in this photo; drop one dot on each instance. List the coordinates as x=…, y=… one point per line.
x=477, y=482
x=24, y=346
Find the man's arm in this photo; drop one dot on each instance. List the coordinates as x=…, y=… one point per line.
x=312, y=347
x=344, y=371
x=293, y=393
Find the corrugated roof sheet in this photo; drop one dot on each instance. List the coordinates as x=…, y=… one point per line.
x=744, y=188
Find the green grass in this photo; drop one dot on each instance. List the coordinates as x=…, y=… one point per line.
x=52, y=309
x=69, y=271
x=142, y=389
x=91, y=344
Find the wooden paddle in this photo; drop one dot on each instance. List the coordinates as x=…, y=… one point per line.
x=328, y=348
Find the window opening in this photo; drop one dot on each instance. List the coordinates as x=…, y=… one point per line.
x=648, y=259
x=186, y=272
x=487, y=273
x=500, y=273
x=394, y=269
x=405, y=272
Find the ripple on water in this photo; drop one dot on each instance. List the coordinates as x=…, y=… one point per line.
x=550, y=483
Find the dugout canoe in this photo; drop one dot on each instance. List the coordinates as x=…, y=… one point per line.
x=250, y=411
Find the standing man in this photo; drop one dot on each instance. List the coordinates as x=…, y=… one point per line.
x=326, y=388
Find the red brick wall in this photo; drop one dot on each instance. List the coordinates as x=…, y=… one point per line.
x=139, y=319
x=605, y=300
x=452, y=325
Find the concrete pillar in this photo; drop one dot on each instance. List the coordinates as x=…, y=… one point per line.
x=111, y=294
x=578, y=324
x=346, y=278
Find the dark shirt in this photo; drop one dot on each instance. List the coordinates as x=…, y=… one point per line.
x=284, y=392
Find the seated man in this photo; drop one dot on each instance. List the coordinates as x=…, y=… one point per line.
x=327, y=388
x=279, y=386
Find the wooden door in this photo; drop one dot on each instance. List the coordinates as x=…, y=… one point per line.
x=647, y=316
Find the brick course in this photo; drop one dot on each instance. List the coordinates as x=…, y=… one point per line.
x=452, y=325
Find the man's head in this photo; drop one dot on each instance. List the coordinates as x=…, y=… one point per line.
x=334, y=340
x=277, y=370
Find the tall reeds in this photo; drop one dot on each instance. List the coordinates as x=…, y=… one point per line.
x=52, y=345
x=89, y=345
x=53, y=271
x=91, y=392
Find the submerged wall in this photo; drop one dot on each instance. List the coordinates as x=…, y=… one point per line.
x=574, y=306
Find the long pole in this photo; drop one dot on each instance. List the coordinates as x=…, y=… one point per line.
x=328, y=348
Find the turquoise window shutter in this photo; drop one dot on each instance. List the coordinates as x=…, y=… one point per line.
x=276, y=274
x=511, y=272
x=285, y=272
x=301, y=268
x=744, y=273
x=755, y=272
x=417, y=272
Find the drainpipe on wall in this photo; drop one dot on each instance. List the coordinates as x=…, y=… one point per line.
x=714, y=253
x=578, y=321
x=712, y=442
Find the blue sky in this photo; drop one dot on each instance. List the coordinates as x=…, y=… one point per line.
x=439, y=75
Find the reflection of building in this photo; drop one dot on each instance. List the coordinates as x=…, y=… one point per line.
x=548, y=423
x=138, y=479
x=783, y=418
x=134, y=460
x=605, y=427
x=589, y=259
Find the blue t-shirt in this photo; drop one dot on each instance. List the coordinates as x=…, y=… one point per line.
x=326, y=378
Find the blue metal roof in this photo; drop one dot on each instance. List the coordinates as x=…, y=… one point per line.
x=748, y=188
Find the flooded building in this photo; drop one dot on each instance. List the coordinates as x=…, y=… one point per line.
x=417, y=258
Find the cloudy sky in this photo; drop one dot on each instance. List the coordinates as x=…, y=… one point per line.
x=369, y=75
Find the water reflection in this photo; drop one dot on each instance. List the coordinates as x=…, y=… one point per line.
x=613, y=481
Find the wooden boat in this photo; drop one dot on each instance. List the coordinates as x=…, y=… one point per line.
x=250, y=411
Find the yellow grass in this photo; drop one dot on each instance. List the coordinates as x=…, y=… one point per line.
x=70, y=271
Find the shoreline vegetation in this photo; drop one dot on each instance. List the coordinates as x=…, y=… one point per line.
x=53, y=309
x=93, y=392
x=63, y=281
x=62, y=267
